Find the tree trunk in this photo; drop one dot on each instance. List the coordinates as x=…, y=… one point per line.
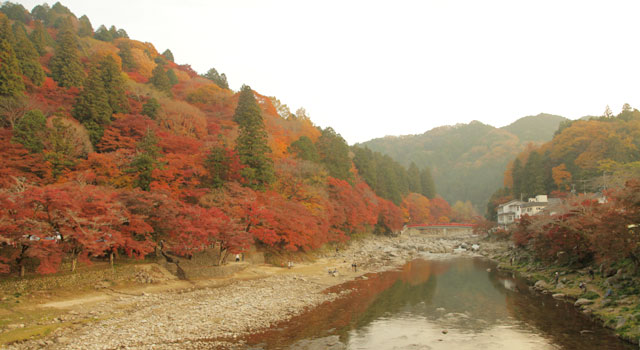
x=74, y=262
x=21, y=271
x=111, y=259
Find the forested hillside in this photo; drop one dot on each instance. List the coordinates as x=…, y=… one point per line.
x=584, y=156
x=109, y=147
x=467, y=160
x=535, y=128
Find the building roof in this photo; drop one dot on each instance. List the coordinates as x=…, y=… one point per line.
x=534, y=204
x=511, y=202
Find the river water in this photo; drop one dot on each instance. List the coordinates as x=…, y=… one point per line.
x=461, y=303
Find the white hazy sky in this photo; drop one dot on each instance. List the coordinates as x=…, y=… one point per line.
x=375, y=68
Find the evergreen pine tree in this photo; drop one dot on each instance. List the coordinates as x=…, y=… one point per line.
x=173, y=79
x=304, y=148
x=65, y=65
x=114, y=84
x=84, y=27
x=219, y=79
x=27, y=55
x=128, y=62
x=168, y=55
x=251, y=145
x=103, y=34
x=151, y=108
x=145, y=161
x=334, y=154
x=30, y=130
x=413, y=174
x=428, y=186
x=40, y=38
x=11, y=83
x=160, y=80
x=92, y=107
x=42, y=13
x=518, y=176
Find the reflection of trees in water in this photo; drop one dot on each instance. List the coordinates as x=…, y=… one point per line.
x=557, y=320
x=460, y=286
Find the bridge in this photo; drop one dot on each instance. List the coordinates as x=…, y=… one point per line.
x=437, y=229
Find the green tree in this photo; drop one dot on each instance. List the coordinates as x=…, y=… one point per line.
x=92, y=107
x=217, y=166
x=413, y=176
x=251, y=145
x=173, y=79
x=30, y=130
x=219, y=79
x=27, y=55
x=103, y=34
x=304, y=148
x=517, y=174
x=128, y=62
x=145, y=161
x=15, y=12
x=84, y=27
x=65, y=65
x=151, y=108
x=40, y=38
x=11, y=83
x=428, y=185
x=334, y=154
x=160, y=79
x=114, y=84
x=168, y=55
x=42, y=13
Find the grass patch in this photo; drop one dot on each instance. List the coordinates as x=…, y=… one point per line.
x=37, y=331
x=591, y=295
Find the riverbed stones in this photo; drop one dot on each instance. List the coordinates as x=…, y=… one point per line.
x=558, y=296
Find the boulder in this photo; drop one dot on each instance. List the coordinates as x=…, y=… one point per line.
x=558, y=296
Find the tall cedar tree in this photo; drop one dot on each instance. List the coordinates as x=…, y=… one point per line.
x=27, y=55
x=40, y=38
x=145, y=161
x=160, y=80
x=168, y=55
x=11, y=83
x=334, y=154
x=92, y=107
x=415, y=183
x=114, y=84
x=84, y=27
x=65, y=65
x=218, y=79
x=30, y=131
x=128, y=62
x=428, y=186
x=251, y=145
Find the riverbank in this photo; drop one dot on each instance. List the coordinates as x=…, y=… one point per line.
x=216, y=313
x=610, y=296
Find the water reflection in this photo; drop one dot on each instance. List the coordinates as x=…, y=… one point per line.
x=440, y=304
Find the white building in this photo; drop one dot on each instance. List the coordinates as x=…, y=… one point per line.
x=510, y=212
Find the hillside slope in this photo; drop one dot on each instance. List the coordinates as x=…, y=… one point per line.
x=467, y=160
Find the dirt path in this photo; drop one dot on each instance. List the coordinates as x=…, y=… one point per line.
x=214, y=313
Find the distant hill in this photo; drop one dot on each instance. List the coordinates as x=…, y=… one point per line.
x=535, y=128
x=467, y=161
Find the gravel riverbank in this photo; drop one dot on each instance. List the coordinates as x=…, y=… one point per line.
x=214, y=317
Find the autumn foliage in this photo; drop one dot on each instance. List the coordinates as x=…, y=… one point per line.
x=104, y=157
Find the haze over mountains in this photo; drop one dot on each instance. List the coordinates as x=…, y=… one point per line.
x=468, y=161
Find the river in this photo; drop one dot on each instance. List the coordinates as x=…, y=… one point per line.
x=459, y=303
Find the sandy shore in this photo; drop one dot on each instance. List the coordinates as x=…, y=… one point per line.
x=216, y=313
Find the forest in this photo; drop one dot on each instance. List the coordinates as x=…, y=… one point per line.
x=467, y=161
x=592, y=165
x=109, y=148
